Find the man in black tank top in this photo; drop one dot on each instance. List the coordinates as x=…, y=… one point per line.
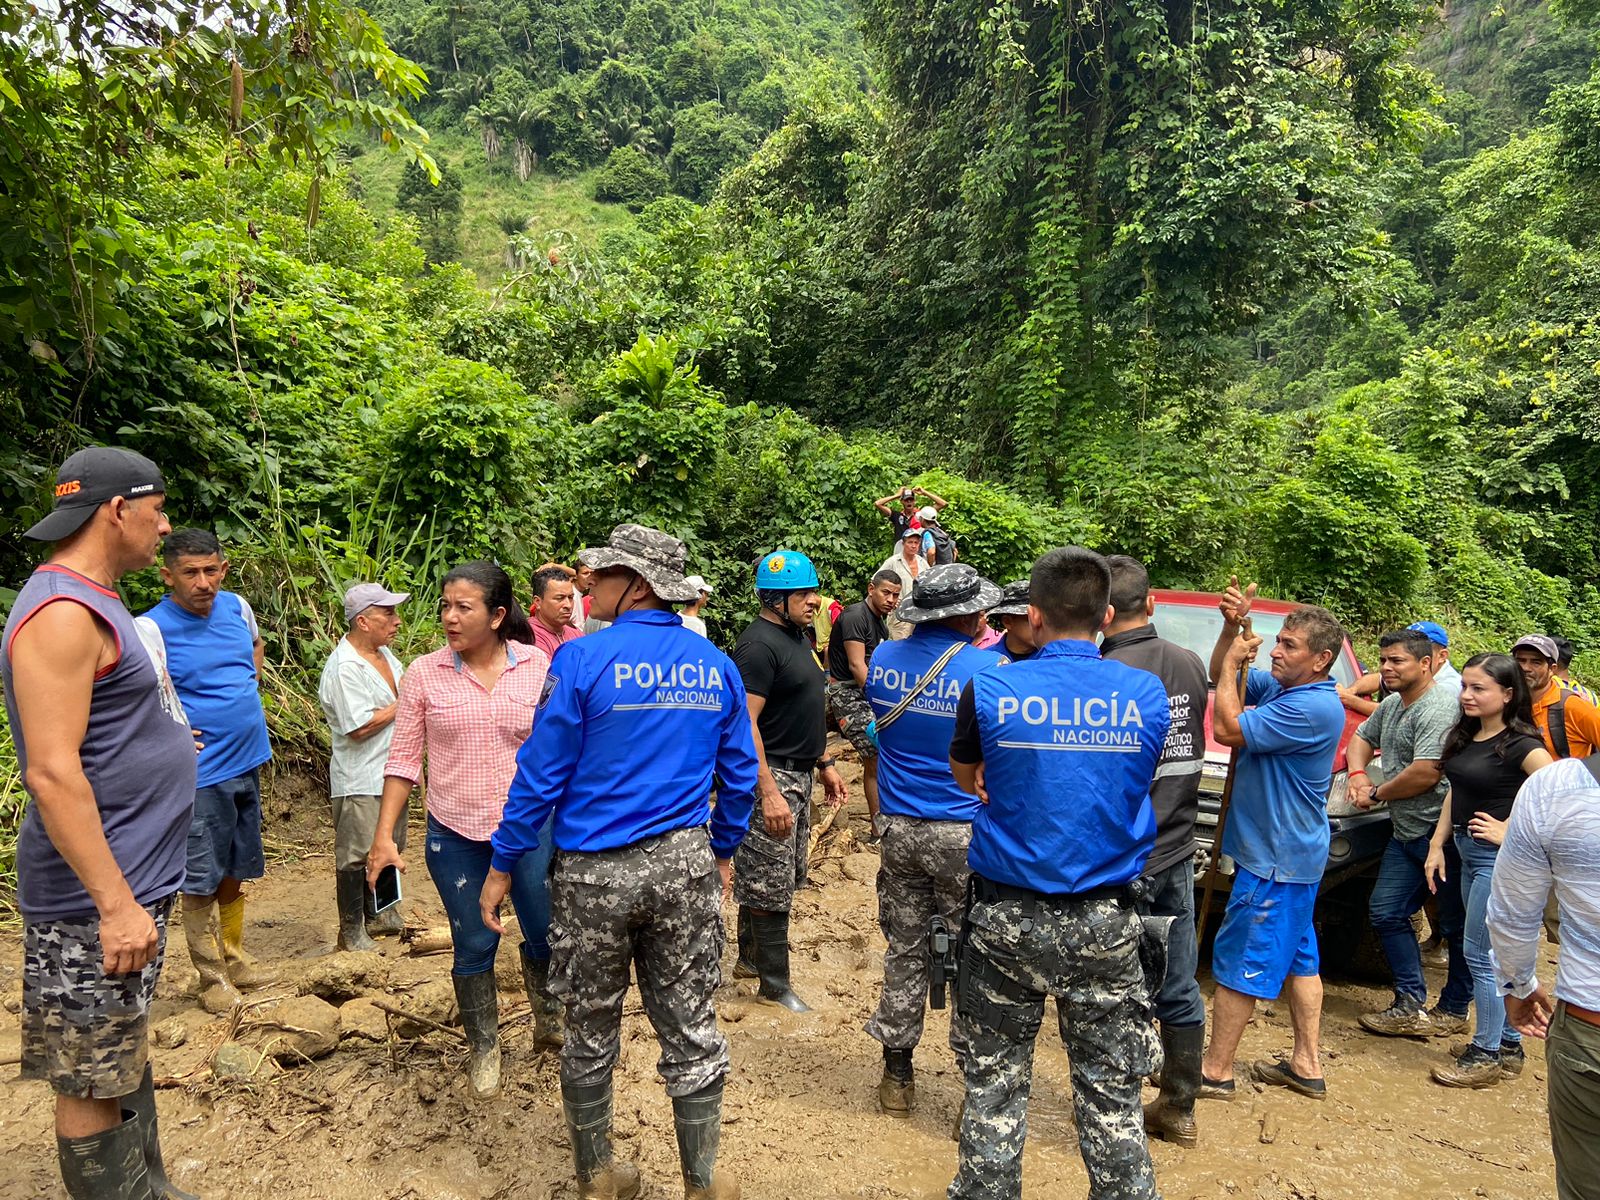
x=110, y=775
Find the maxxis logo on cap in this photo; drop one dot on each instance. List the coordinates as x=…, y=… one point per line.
x=70, y=488
x=141, y=489
x=776, y=563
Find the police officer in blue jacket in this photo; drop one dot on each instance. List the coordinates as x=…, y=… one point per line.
x=925, y=819
x=1063, y=747
x=635, y=721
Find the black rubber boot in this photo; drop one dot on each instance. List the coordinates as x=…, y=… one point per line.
x=745, y=968
x=479, y=1002
x=698, y=1119
x=897, y=1090
x=1170, y=1116
x=351, y=889
x=143, y=1105
x=389, y=921
x=588, y=1112
x=547, y=1010
x=108, y=1165
x=771, y=934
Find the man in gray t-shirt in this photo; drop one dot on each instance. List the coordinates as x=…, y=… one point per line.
x=1411, y=728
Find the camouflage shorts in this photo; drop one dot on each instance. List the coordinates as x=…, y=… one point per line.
x=853, y=714
x=768, y=871
x=83, y=1031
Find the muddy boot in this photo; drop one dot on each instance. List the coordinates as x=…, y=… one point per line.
x=479, y=1003
x=588, y=1113
x=106, y=1166
x=244, y=972
x=547, y=1010
x=143, y=1105
x=771, y=934
x=896, y=1090
x=698, y=1119
x=350, y=889
x=1170, y=1116
x=217, y=995
x=745, y=968
x=388, y=923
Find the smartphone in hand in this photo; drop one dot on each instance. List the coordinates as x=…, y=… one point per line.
x=386, y=891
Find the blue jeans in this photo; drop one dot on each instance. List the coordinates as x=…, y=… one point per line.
x=1399, y=892
x=1178, y=1002
x=1477, y=869
x=459, y=866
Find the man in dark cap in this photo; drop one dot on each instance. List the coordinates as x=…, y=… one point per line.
x=110, y=768
x=926, y=820
x=638, y=722
x=1017, y=644
x=1132, y=639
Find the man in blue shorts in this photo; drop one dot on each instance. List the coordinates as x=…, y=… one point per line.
x=1277, y=834
x=214, y=655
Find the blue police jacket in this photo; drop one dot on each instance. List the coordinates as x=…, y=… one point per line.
x=914, y=777
x=634, y=721
x=1070, y=744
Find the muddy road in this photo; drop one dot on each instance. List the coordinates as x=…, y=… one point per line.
x=390, y=1118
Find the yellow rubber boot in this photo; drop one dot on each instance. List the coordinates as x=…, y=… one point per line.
x=217, y=995
x=243, y=971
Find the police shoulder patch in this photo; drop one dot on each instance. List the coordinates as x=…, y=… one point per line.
x=550, y=681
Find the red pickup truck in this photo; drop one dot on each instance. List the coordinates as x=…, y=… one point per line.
x=1356, y=839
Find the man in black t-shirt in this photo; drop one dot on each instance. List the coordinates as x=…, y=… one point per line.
x=784, y=687
x=906, y=517
x=856, y=635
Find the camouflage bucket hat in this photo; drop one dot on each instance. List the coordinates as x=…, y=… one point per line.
x=1013, y=600
x=657, y=556
x=951, y=590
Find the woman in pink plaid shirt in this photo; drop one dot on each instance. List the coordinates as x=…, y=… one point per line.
x=470, y=706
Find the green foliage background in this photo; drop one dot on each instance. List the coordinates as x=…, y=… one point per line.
x=1303, y=292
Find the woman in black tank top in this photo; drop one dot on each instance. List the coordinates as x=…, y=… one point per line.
x=1492, y=750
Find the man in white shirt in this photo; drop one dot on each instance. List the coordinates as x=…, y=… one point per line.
x=1553, y=839
x=691, y=612
x=359, y=691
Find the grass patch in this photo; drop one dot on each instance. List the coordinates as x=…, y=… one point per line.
x=550, y=202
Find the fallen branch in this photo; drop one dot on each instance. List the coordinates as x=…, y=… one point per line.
x=420, y=1020
x=1473, y=1154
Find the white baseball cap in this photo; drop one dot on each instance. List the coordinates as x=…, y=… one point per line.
x=698, y=582
x=362, y=596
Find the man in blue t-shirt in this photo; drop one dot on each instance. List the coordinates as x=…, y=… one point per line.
x=924, y=817
x=1277, y=834
x=214, y=655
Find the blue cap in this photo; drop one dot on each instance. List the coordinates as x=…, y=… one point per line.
x=1433, y=631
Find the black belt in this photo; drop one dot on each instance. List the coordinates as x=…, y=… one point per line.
x=990, y=892
x=791, y=764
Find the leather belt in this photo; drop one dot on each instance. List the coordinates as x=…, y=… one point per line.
x=1587, y=1015
x=791, y=764
x=991, y=892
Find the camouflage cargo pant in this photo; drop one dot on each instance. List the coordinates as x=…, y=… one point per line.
x=1086, y=955
x=852, y=714
x=655, y=906
x=923, y=871
x=84, y=1032
x=768, y=871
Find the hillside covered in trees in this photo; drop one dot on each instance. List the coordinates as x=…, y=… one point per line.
x=1306, y=292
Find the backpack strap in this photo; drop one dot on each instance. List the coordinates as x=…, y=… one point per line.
x=894, y=714
x=1558, y=728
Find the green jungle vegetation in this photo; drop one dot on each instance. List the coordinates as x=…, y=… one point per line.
x=1302, y=291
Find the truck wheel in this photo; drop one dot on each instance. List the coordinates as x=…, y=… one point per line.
x=1348, y=945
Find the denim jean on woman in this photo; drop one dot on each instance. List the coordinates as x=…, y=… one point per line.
x=1477, y=869
x=459, y=866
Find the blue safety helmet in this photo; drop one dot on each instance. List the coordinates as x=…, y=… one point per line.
x=785, y=571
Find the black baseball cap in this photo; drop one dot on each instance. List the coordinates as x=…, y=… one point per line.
x=87, y=480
